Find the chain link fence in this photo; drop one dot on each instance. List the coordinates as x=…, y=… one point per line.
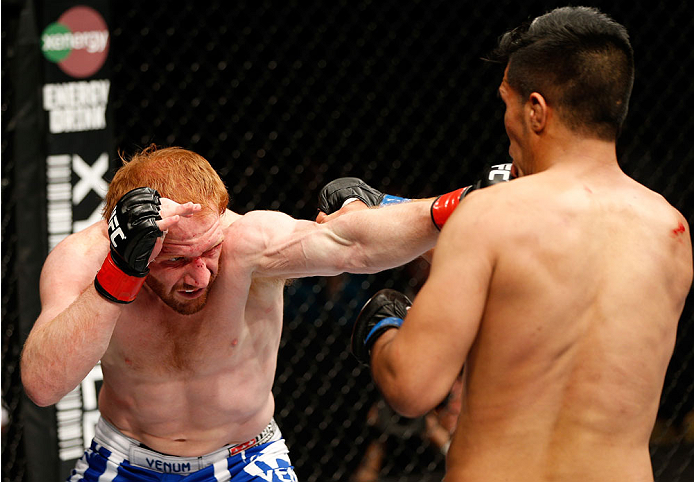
x=283, y=97
x=13, y=457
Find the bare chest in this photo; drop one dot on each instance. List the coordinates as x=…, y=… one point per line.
x=152, y=339
x=151, y=342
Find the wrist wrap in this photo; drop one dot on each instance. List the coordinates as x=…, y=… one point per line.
x=379, y=328
x=444, y=205
x=389, y=199
x=385, y=310
x=114, y=285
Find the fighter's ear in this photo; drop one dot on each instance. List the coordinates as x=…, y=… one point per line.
x=537, y=111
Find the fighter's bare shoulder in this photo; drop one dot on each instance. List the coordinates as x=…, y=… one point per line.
x=74, y=261
x=497, y=210
x=86, y=247
x=250, y=235
x=252, y=228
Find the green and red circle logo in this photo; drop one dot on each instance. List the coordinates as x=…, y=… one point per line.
x=78, y=42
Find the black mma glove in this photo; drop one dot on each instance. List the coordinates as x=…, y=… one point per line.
x=444, y=205
x=385, y=310
x=336, y=193
x=133, y=232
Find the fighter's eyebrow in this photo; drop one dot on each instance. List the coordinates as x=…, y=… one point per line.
x=179, y=251
x=169, y=250
x=215, y=245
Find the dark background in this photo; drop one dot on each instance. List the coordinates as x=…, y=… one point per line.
x=283, y=97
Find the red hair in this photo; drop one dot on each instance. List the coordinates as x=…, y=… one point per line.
x=176, y=173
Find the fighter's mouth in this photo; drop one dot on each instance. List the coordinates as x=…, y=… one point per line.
x=191, y=294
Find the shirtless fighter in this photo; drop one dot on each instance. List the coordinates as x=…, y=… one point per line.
x=559, y=292
x=181, y=301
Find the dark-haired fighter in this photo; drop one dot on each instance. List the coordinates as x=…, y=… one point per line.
x=559, y=292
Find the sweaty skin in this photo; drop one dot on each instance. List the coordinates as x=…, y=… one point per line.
x=560, y=292
x=189, y=365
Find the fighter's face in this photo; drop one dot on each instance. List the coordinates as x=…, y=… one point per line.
x=188, y=263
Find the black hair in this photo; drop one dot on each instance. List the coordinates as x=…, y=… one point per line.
x=579, y=60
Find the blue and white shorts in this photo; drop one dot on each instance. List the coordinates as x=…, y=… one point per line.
x=114, y=457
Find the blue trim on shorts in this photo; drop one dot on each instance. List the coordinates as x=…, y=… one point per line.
x=269, y=461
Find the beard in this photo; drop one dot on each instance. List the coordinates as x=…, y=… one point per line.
x=183, y=307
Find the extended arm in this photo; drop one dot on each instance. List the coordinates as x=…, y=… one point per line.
x=363, y=241
x=349, y=194
x=339, y=196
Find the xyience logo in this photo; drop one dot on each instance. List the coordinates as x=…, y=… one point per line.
x=78, y=42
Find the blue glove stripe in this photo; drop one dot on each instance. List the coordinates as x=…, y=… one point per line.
x=392, y=321
x=388, y=199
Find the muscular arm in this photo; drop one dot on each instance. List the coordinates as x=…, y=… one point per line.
x=416, y=365
x=335, y=194
x=358, y=206
x=75, y=324
x=362, y=241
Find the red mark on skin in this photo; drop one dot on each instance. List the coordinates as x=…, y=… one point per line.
x=588, y=189
x=235, y=342
x=679, y=230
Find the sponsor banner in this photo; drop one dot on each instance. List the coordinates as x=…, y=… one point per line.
x=75, y=39
x=75, y=43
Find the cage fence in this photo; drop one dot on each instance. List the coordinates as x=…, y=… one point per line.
x=283, y=97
